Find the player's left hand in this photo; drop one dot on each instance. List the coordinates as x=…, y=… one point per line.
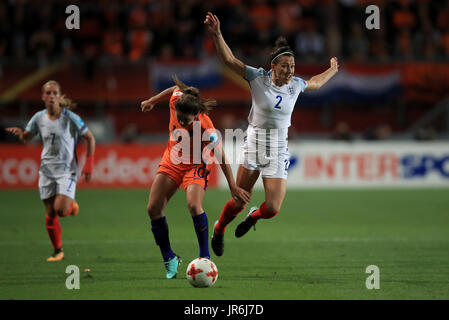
x=240, y=194
x=334, y=63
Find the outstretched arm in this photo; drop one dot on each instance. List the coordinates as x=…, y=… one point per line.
x=224, y=52
x=236, y=192
x=24, y=136
x=319, y=80
x=148, y=105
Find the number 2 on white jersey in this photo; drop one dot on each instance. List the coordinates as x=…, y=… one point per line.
x=278, y=105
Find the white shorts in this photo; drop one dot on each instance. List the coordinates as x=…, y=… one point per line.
x=271, y=164
x=49, y=187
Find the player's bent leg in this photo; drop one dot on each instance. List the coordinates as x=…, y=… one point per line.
x=54, y=229
x=245, y=179
x=64, y=205
x=48, y=204
x=162, y=190
x=275, y=189
x=194, y=196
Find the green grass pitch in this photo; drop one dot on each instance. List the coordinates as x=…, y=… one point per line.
x=318, y=247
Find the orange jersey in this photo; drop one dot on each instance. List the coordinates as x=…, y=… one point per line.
x=194, y=136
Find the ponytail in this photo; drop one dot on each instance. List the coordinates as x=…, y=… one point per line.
x=281, y=48
x=191, y=102
x=67, y=103
x=64, y=102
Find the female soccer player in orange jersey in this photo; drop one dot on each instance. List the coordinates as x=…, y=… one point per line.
x=183, y=164
x=59, y=129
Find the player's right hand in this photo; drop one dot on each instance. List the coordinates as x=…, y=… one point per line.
x=212, y=22
x=15, y=131
x=241, y=194
x=87, y=176
x=147, y=105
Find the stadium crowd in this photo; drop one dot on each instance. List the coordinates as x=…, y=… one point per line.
x=132, y=30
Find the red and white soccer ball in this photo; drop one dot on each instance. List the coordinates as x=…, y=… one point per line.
x=202, y=273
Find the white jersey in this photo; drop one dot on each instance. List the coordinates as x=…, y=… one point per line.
x=58, y=157
x=272, y=106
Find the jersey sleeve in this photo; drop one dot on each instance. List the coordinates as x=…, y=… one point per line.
x=302, y=84
x=252, y=73
x=208, y=126
x=176, y=94
x=211, y=138
x=79, y=124
x=32, y=126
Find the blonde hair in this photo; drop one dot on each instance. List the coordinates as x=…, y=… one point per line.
x=64, y=102
x=190, y=102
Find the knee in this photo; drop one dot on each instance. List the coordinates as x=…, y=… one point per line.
x=58, y=211
x=195, y=208
x=154, y=211
x=239, y=205
x=273, y=207
x=51, y=213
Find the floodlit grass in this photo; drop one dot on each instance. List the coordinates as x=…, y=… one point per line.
x=318, y=247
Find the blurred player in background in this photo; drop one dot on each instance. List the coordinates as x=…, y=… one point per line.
x=59, y=129
x=187, y=110
x=274, y=95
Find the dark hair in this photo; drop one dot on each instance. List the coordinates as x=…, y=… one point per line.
x=281, y=47
x=190, y=102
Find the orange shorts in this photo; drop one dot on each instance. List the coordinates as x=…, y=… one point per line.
x=185, y=176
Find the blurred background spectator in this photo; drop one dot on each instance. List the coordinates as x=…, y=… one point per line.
x=342, y=132
x=111, y=63
x=136, y=29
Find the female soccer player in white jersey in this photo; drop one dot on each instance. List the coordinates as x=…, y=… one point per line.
x=265, y=151
x=58, y=128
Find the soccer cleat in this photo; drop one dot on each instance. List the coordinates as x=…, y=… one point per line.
x=217, y=242
x=56, y=257
x=246, y=224
x=75, y=208
x=172, y=267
